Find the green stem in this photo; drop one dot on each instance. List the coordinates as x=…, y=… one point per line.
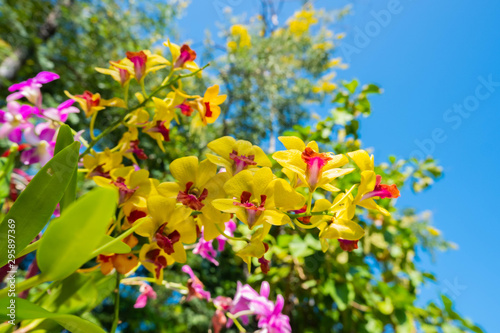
x=117, y=122
x=229, y=237
x=309, y=202
x=117, y=304
x=236, y=322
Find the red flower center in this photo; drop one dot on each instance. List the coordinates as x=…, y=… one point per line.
x=124, y=192
x=158, y=260
x=160, y=128
x=382, y=191
x=315, y=162
x=253, y=208
x=134, y=149
x=166, y=242
x=139, y=60
x=89, y=99
x=192, y=197
x=186, y=55
x=241, y=161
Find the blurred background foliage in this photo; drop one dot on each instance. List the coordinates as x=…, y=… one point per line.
x=275, y=76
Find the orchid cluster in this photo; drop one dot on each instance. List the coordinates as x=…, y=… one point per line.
x=233, y=195
x=28, y=124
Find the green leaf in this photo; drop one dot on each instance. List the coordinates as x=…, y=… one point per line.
x=69, y=240
x=25, y=310
x=34, y=207
x=78, y=292
x=116, y=247
x=64, y=139
x=6, y=166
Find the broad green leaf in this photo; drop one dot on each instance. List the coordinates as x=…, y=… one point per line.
x=34, y=207
x=26, y=310
x=117, y=247
x=70, y=239
x=64, y=139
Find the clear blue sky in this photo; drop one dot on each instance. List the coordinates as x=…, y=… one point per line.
x=429, y=57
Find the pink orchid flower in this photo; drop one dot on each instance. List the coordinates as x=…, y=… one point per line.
x=147, y=292
x=206, y=248
x=15, y=120
x=42, y=140
x=31, y=88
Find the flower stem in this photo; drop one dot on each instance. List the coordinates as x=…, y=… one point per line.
x=229, y=237
x=236, y=322
x=117, y=304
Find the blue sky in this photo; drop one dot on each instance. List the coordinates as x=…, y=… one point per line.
x=438, y=63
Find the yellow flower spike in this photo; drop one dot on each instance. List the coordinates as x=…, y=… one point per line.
x=314, y=169
x=236, y=156
x=198, y=184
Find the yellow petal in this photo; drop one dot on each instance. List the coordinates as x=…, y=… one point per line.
x=184, y=169
x=362, y=159
x=292, y=142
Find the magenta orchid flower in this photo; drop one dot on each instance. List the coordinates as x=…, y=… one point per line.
x=42, y=141
x=31, y=88
x=206, y=248
x=195, y=286
x=61, y=112
x=269, y=316
x=15, y=120
x=147, y=292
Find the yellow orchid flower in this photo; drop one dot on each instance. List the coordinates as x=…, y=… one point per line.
x=370, y=185
x=236, y=156
x=92, y=103
x=123, y=263
x=182, y=56
x=256, y=248
x=313, y=169
x=197, y=185
x=100, y=164
x=129, y=145
x=120, y=75
x=129, y=182
x=208, y=107
x=168, y=227
x=158, y=128
x=258, y=197
x=141, y=63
